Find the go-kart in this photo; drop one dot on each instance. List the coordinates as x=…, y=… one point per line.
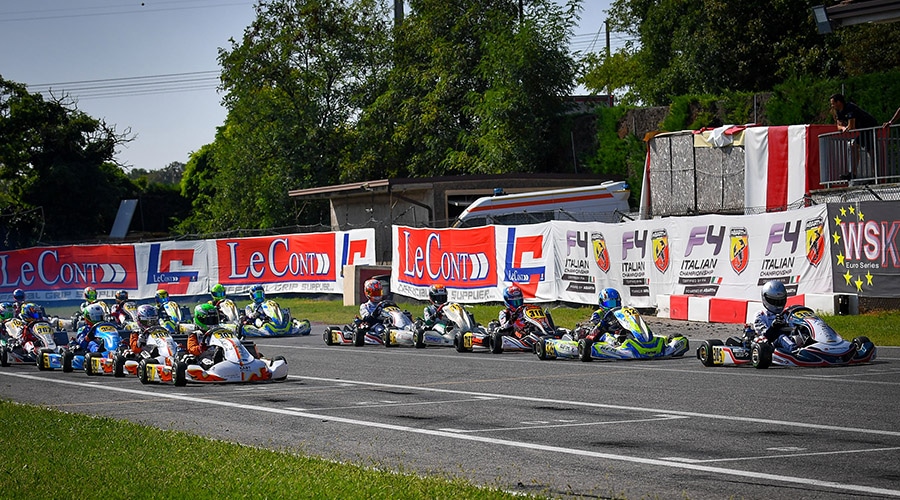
x=46, y=342
x=451, y=330
x=273, y=321
x=635, y=341
x=534, y=324
x=107, y=361
x=233, y=364
x=125, y=318
x=392, y=327
x=160, y=347
x=819, y=345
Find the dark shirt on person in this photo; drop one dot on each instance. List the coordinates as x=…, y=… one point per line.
x=851, y=111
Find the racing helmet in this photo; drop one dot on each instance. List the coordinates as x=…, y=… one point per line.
x=18, y=295
x=30, y=312
x=162, y=296
x=217, y=292
x=93, y=314
x=513, y=297
x=774, y=296
x=374, y=290
x=121, y=296
x=205, y=316
x=437, y=294
x=257, y=294
x=147, y=316
x=7, y=311
x=609, y=298
x=90, y=294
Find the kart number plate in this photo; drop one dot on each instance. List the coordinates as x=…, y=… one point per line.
x=718, y=355
x=467, y=340
x=535, y=313
x=336, y=336
x=42, y=329
x=550, y=348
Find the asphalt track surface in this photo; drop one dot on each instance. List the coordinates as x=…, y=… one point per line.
x=638, y=429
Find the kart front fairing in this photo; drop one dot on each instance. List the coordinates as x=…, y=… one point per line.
x=273, y=322
x=237, y=364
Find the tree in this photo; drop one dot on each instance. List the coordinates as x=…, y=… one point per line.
x=56, y=164
x=711, y=47
x=475, y=88
x=294, y=85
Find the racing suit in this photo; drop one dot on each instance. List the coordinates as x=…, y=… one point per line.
x=198, y=346
x=772, y=326
x=606, y=324
x=87, y=341
x=433, y=313
x=510, y=317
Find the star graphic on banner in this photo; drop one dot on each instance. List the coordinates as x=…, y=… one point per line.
x=851, y=209
x=869, y=278
x=859, y=284
x=848, y=276
x=840, y=258
x=836, y=237
x=860, y=216
x=837, y=220
x=843, y=211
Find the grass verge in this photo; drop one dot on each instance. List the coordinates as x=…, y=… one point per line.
x=54, y=454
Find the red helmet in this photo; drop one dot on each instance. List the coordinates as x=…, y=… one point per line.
x=374, y=290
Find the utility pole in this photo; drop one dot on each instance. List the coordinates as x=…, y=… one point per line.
x=398, y=13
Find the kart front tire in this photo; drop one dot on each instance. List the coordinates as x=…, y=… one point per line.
x=359, y=338
x=459, y=341
x=540, y=348
x=142, y=372
x=67, y=358
x=496, y=343
x=861, y=341
x=88, y=365
x=180, y=373
x=419, y=339
x=704, y=352
x=584, y=350
x=327, y=336
x=761, y=355
x=4, y=356
x=118, y=365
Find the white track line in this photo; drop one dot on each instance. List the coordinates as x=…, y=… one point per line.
x=756, y=476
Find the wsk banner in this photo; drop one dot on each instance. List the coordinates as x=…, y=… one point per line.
x=863, y=237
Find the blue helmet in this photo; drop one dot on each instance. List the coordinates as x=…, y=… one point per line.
x=257, y=294
x=609, y=298
x=513, y=296
x=19, y=295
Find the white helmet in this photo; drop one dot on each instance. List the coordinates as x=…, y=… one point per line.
x=774, y=297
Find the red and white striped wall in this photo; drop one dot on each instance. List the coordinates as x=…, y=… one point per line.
x=721, y=310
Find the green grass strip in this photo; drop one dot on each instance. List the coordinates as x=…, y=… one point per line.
x=51, y=454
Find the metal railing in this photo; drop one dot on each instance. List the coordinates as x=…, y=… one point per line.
x=865, y=156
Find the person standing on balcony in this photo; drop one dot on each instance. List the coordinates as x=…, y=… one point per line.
x=850, y=117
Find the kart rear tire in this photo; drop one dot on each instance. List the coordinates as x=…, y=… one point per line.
x=496, y=343
x=142, y=372
x=67, y=358
x=540, y=348
x=704, y=352
x=585, y=347
x=761, y=355
x=4, y=356
x=359, y=338
x=419, y=339
x=179, y=373
x=118, y=365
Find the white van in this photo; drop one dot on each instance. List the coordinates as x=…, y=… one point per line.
x=602, y=203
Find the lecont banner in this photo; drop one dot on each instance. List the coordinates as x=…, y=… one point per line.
x=474, y=264
x=297, y=263
x=864, y=239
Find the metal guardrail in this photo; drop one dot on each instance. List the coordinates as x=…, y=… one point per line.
x=865, y=156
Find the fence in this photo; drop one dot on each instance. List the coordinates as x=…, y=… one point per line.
x=865, y=156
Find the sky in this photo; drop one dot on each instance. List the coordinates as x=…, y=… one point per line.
x=150, y=66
